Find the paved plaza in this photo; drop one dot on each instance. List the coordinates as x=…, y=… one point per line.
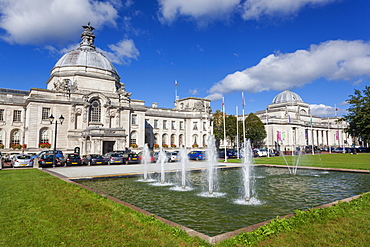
x=86, y=172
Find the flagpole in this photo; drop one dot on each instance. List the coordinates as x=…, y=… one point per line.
x=176, y=96
x=237, y=133
x=267, y=130
x=223, y=110
x=243, y=104
x=313, y=152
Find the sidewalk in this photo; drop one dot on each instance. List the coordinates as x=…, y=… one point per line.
x=89, y=172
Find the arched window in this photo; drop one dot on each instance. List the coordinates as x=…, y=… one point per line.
x=204, y=140
x=195, y=139
x=44, y=136
x=95, y=111
x=133, y=137
x=173, y=139
x=181, y=140
x=164, y=139
x=16, y=137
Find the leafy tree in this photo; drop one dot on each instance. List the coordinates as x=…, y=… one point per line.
x=230, y=123
x=255, y=130
x=218, y=127
x=358, y=115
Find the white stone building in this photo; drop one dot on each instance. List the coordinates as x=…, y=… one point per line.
x=99, y=114
x=289, y=124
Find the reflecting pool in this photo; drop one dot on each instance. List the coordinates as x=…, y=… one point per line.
x=276, y=193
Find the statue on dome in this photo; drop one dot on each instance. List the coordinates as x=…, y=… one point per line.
x=87, y=36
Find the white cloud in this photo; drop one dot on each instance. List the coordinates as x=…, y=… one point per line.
x=218, y=9
x=254, y=9
x=43, y=21
x=193, y=91
x=332, y=60
x=170, y=9
x=322, y=110
x=122, y=52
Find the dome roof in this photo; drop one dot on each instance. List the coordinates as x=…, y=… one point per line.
x=287, y=96
x=86, y=55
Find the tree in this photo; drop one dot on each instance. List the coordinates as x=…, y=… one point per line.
x=255, y=130
x=218, y=127
x=358, y=115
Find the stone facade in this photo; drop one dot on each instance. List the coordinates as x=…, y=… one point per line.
x=99, y=114
x=289, y=124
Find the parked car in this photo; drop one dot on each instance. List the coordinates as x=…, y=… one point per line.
x=132, y=158
x=261, y=152
x=340, y=150
x=94, y=159
x=72, y=159
x=152, y=156
x=197, y=155
x=173, y=157
x=22, y=160
x=46, y=160
x=114, y=158
x=231, y=153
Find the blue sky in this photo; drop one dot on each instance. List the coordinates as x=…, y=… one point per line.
x=319, y=49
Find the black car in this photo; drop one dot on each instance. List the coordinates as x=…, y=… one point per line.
x=94, y=159
x=132, y=158
x=46, y=160
x=231, y=153
x=72, y=159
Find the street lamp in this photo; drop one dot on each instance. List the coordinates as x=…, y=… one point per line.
x=61, y=120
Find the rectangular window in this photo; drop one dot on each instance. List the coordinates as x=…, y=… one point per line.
x=134, y=120
x=17, y=116
x=45, y=113
x=173, y=125
x=181, y=125
x=2, y=115
x=195, y=126
x=164, y=124
x=147, y=124
x=204, y=126
x=156, y=124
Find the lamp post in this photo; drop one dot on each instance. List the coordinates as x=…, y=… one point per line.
x=61, y=120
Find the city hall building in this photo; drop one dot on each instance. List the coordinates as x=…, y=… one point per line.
x=93, y=111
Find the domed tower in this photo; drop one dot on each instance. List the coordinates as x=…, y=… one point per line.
x=287, y=96
x=84, y=69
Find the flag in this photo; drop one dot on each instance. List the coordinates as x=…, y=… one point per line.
x=243, y=100
x=311, y=121
x=279, y=136
x=337, y=135
x=176, y=84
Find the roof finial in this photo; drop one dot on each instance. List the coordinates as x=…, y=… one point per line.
x=87, y=37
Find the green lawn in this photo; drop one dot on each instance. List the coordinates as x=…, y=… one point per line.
x=38, y=209
x=345, y=161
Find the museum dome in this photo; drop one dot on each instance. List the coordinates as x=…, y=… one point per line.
x=86, y=55
x=287, y=96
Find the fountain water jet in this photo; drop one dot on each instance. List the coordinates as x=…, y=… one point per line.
x=161, y=160
x=246, y=170
x=145, y=160
x=295, y=162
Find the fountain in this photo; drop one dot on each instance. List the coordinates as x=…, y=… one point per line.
x=246, y=170
x=181, y=175
x=145, y=160
x=161, y=160
x=295, y=162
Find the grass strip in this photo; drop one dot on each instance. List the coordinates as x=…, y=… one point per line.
x=344, y=224
x=38, y=209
